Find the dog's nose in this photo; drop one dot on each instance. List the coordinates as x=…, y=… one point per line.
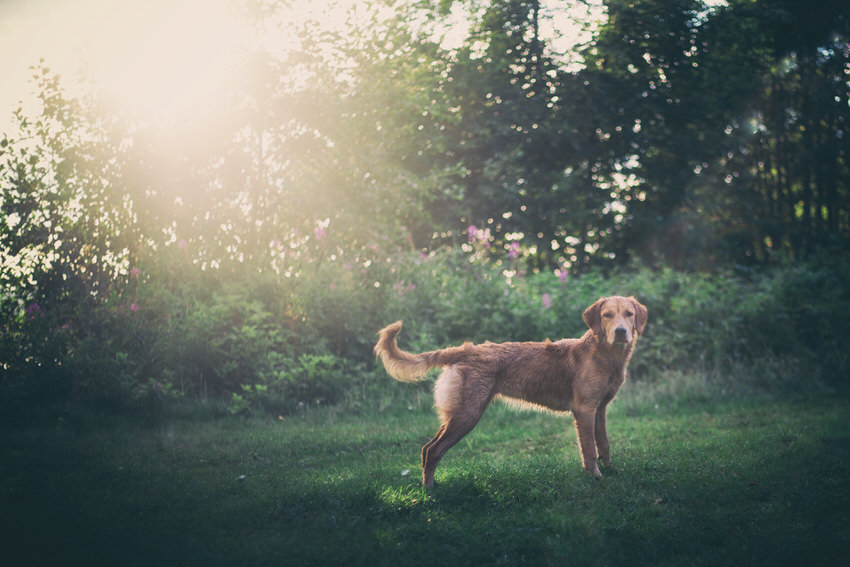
x=620, y=333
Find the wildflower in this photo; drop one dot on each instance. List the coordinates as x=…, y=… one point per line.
x=34, y=310
x=547, y=301
x=513, y=250
x=401, y=288
x=134, y=307
x=563, y=275
x=135, y=272
x=182, y=244
x=321, y=233
x=472, y=233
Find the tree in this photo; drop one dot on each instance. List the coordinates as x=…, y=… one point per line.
x=722, y=113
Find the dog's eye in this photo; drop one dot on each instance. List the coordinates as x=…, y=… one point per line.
x=629, y=314
x=607, y=315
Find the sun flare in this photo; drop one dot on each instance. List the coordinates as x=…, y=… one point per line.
x=172, y=60
x=164, y=59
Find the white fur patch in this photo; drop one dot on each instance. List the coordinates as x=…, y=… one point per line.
x=519, y=404
x=448, y=390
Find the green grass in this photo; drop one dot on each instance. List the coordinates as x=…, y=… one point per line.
x=729, y=483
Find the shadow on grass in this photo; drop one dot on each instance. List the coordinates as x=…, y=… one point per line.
x=742, y=486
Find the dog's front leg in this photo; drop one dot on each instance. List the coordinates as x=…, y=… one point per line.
x=602, y=436
x=585, y=427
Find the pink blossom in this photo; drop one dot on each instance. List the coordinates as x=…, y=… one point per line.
x=182, y=244
x=472, y=232
x=135, y=272
x=513, y=250
x=563, y=276
x=547, y=301
x=321, y=233
x=401, y=288
x=134, y=307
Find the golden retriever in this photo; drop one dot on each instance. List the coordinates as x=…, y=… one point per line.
x=579, y=375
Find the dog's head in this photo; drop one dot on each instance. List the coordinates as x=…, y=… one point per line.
x=615, y=319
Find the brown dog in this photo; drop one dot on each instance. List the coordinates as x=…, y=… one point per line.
x=578, y=375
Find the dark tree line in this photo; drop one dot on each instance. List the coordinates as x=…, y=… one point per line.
x=695, y=136
x=743, y=116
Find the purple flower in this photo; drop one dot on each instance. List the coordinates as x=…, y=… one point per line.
x=472, y=232
x=182, y=244
x=563, y=276
x=135, y=272
x=547, y=301
x=401, y=288
x=321, y=233
x=134, y=307
x=513, y=250
x=34, y=310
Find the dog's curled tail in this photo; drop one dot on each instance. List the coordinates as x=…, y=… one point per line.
x=402, y=365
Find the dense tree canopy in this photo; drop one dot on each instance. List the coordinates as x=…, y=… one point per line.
x=737, y=118
x=696, y=134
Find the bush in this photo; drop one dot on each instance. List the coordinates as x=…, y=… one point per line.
x=264, y=341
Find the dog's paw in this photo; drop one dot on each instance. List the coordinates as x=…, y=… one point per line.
x=594, y=471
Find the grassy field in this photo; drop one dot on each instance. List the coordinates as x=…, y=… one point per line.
x=729, y=483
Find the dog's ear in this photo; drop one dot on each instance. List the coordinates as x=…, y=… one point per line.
x=641, y=315
x=593, y=316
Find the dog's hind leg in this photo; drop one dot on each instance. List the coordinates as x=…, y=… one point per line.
x=431, y=443
x=460, y=406
x=449, y=434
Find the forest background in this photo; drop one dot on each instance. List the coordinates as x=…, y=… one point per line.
x=244, y=249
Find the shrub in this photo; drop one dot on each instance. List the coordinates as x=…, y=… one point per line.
x=273, y=343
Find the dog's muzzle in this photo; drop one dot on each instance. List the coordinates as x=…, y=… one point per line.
x=621, y=335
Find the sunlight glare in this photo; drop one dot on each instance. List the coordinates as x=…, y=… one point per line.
x=162, y=60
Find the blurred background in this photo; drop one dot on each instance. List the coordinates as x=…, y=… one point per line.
x=224, y=200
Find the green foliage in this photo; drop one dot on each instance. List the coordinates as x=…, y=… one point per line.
x=728, y=118
x=272, y=343
x=479, y=193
